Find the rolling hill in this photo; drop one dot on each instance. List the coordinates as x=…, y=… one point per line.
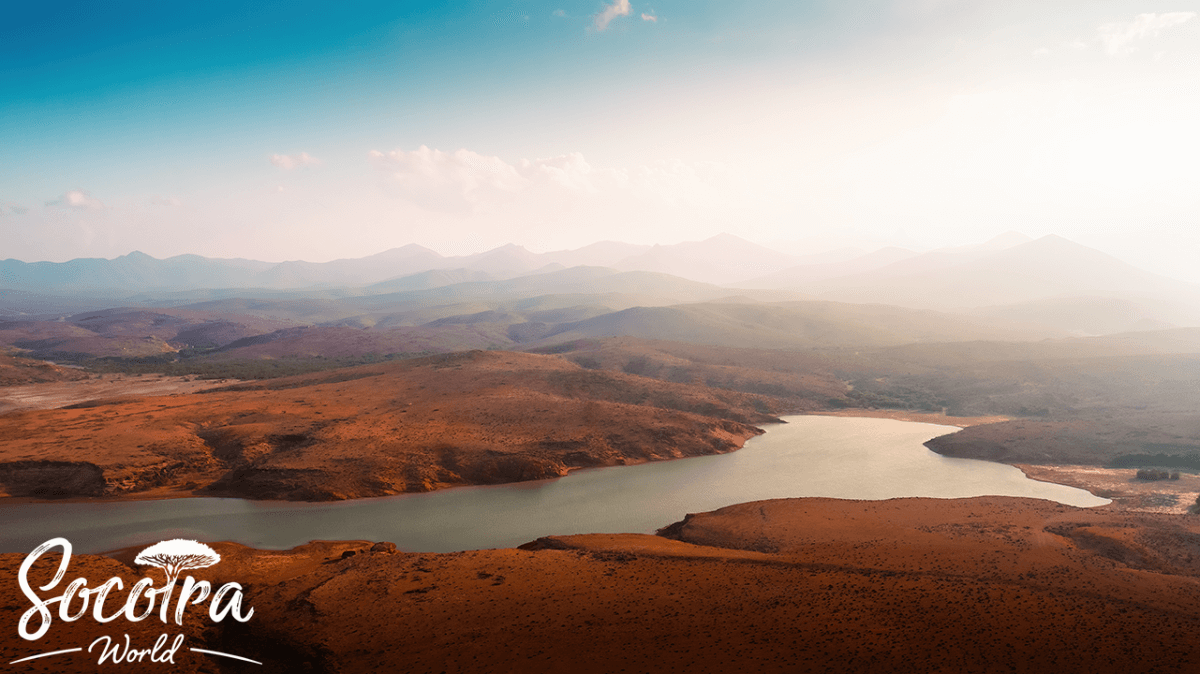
x=415, y=425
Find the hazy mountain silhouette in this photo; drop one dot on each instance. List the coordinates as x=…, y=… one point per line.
x=1000, y=242
x=723, y=258
x=798, y=276
x=599, y=254
x=434, y=278
x=784, y=325
x=405, y=260
x=718, y=259
x=1047, y=268
x=1050, y=285
x=132, y=272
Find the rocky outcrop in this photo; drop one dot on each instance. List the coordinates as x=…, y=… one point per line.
x=52, y=479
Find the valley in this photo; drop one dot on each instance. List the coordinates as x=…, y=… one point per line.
x=616, y=337
x=489, y=375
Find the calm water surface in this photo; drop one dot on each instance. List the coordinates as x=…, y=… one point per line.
x=842, y=457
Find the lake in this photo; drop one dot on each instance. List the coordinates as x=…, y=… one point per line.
x=841, y=457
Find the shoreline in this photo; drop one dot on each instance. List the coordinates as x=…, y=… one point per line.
x=1120, y=485
x=167, y=493
x=906, y=415
x=458, y=519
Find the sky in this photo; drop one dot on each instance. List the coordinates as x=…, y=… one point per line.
x=312, y=130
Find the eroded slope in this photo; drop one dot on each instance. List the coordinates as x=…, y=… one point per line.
x=418, y=425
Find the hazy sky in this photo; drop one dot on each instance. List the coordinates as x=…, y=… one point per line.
x=314, y=130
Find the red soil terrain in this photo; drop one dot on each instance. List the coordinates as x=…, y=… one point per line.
x=404, y=426
x=15, y=371
x=988, y=584
x=75, y=386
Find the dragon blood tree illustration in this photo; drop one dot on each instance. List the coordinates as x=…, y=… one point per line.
x=174, y=557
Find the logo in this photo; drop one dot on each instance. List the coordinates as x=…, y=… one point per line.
x=78, y=598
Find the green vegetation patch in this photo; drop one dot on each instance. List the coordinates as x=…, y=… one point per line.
x=1187, y=461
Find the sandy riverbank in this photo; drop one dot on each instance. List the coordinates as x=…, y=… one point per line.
x=1122, y=486
x=1118, y=484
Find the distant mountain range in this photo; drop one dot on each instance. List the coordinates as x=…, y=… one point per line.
x=1049, y=282
x=720, y=259
x=1049, y=285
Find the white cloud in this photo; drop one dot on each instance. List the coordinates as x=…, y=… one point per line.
x=1120, y=38
x=649, y=17
x=467, y=182
x=78, y=200
x=618, y=8
x=289, y=162
x=447, y=181
x=559, y=13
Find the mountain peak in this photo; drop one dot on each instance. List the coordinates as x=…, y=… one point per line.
x=1052, y=242
x=1006, y=240
x=137, y=256
x=1012, y=235
x=407, y=251
x=508, y=249
x=1009, y=239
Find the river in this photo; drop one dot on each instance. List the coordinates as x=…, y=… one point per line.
x=842, y=457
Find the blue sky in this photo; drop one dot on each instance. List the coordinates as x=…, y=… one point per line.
x=305, y=130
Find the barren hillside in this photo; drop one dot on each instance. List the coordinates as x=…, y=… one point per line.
x=416, y=425
x=799, y=585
